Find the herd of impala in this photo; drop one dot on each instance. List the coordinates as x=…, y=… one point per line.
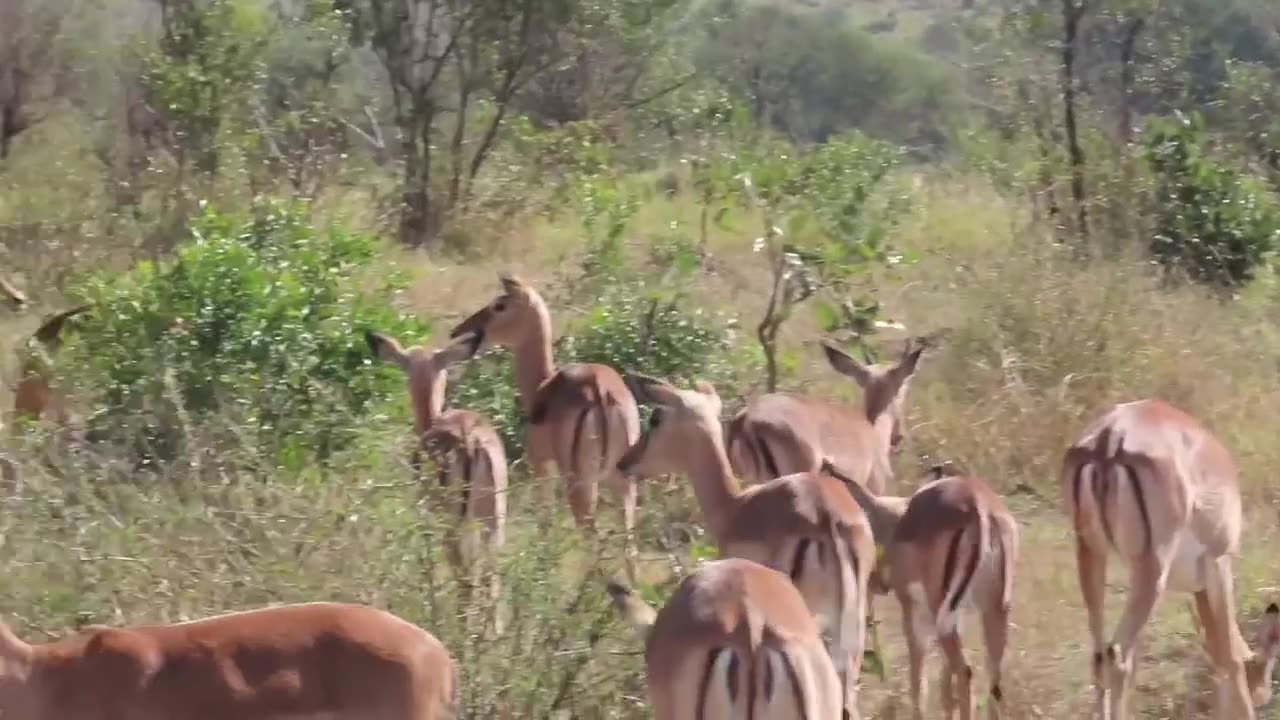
x=774, y=629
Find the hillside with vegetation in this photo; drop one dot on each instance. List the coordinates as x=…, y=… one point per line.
x=1076, y=202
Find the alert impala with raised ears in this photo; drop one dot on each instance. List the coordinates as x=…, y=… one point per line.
x=582, y=417
x=951, y=545
x=805, y=525
x=735, y=640
x=782, y=433
x=463, y=445
x=1148, y=484
x=313, y=661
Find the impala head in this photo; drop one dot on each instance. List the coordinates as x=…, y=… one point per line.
x=512, y=318
x=884, y=386
x=424, y=368
x=678, y=416
x=634, y=611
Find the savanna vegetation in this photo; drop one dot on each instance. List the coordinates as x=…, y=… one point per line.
x=1076, y=201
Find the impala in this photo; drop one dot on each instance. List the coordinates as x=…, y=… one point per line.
x=464, y=447
x=805, y=525
x=782, y=433
x=312, y=661
x=1150, y=485
x=34, y=395
x=582, y=417
x=735, y=640
x=952, y=545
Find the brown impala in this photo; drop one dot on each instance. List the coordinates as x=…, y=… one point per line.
x=782, y=433
x=950, y=546
x=806, y=524
x=34, y=396
x=313, y=661
x=735, y=640
x=582, y=417
x=1148, y=484
x=466, y=450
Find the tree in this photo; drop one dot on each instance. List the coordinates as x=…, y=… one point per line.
x=31, y=71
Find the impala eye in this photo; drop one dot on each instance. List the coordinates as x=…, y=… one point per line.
x=500, y=306
x=655, y=419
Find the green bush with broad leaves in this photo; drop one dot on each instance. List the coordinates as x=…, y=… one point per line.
x=1213, y=222
x=258, y=316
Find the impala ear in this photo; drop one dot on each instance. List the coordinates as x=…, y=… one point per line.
x=844, y=364
x=50, y=331
x=386, y=348
x=709, y=390
x=652, y=391
x=463, y=347
x=906, y=367
x=510, y=283
x=12, y=294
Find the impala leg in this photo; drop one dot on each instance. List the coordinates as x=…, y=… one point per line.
x=957, y=686
x=1148, y=576
x=627, y=491
x=917, y=653
x=1227, y=649
x=995, y=630
x=1092, y=568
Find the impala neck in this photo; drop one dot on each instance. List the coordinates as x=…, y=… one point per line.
x=882, y=425
x=426, y=412
x=883, y=511
x=534, y=364
x=714, y=484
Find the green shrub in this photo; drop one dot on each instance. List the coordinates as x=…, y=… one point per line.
x=1212, y=222
x=257, y=316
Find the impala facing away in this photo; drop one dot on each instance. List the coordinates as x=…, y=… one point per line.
x=1149, y=484
x=806, y=524
x=735, y=640
x=782, y=433
x=952, y=545
x=582, y=417
x=313, y=661
x=464, y=447
x=34, y=396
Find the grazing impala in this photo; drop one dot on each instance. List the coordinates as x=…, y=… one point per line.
x=582, y=417
x=806, y=524
x=950, y=546
x=466, y=450
x=734, y=641
x=1149, y=484
x=34, y=395
x=310, y=661
x=782, y=433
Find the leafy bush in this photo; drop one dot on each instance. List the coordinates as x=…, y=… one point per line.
x=1212, y=222
x=257, y=316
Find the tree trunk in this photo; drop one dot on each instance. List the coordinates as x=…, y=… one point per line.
x=415, y=215
x=1125, y=210
x=1072, y=14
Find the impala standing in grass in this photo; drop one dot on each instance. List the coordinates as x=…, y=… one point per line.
x=952, y=545
x=1151, y=486
x=34, y=396
x=582, y=417
x=805, y=525
x=464, y=447
x=735, y=640
x=313, y=661
x=782, y=433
